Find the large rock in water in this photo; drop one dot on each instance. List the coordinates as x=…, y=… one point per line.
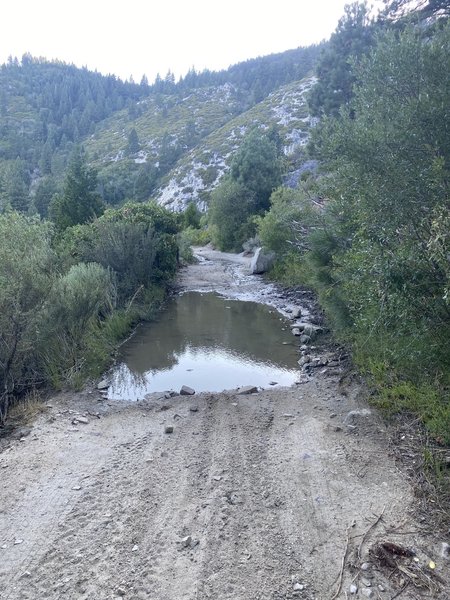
x=262, y=261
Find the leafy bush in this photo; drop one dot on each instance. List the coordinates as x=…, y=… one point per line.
x=26, y=275
x=76, y=303
x=232, y=206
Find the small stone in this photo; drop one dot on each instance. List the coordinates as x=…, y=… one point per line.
x=366, y=582
x=353, y=589
x=193, y=408
x=103, y=385
x=298, y=587
x=186, y=391
x=296, y=313
x=3, y=547
x=296, y=331
x=273, y=382
x=168, y=429
x=18, y=541
x=121, y=591
x=333, y=415
x=186, y=541
x=304, y=339
x=82, y=420
x=381, y=587
x=367, y=592
x=217, y=478
x=288, y=415
x=365, y=566
x=76, y=487
x=135, y=548
x=248, y=389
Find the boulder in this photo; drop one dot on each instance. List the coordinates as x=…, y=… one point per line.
x=262, y=261
x=103, y=385
x=248, y=389
x=296, y=313
x=187, y=391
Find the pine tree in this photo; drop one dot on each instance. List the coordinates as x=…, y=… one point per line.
x=79, y=201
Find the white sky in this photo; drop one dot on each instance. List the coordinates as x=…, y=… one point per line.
x=137, y=37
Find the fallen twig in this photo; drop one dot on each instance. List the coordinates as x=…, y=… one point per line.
x=374, y=524
x=400, y=591
x=341, y=572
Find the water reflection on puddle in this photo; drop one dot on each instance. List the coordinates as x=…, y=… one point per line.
x=208, y=343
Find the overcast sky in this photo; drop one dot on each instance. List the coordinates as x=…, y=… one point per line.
x=147, y=36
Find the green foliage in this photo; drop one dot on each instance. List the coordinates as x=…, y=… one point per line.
x=68, y=345
x=133, y=145
x=353, y=38
x=256, y=167
x=191, y=217
x=384, y=257
x=14, y=188
x=44, y=192
x=150, y=214
x=245, y=192
x=289, y=221
x=421, y=400
x=231, y=207
x=79, y=201
x=25, y=280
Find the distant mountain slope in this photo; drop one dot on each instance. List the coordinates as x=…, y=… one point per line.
x=172, y=140
x=200, y=170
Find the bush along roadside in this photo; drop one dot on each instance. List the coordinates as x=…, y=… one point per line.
x=374, y=241
x=65, y=305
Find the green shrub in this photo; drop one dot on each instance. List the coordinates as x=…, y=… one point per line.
x=26, y=275
x=76, y=304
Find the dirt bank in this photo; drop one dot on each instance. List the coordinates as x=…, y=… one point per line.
x=276, y=495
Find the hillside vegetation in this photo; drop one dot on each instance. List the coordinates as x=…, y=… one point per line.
x=371, y=233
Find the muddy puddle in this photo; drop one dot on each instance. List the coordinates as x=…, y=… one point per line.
x=208, y=343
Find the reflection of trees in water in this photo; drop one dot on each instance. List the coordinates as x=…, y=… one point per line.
x=127, y=384
x=207, y=322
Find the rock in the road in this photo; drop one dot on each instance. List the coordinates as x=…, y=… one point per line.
x=103, y=385
x=248, y=389
x=187, y=391
x=262, y=261
x=355, y=416
x=80, y=419
x=168, y=429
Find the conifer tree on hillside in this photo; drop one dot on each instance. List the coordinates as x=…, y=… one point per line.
x=79, y=201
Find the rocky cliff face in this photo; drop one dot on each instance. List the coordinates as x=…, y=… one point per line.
x=198, y=135
x=201, y=169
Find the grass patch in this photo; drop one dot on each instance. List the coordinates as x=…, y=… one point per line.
x=428, y=403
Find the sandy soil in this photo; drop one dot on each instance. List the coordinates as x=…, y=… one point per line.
x=275, y=495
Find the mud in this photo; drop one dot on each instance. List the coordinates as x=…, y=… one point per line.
x=275, y=495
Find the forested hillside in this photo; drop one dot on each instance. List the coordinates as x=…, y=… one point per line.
x=133, y=133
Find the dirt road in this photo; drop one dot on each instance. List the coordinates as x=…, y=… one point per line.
x=274, y=495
